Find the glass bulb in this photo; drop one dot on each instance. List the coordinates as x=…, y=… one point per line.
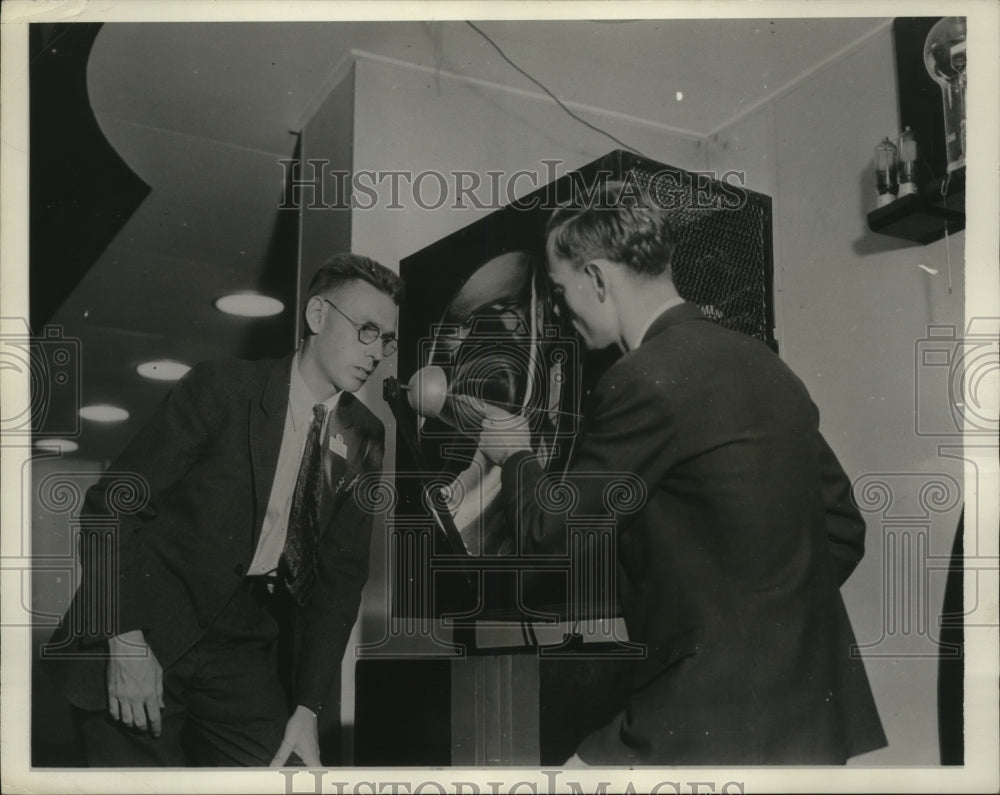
x=944, y=57
x=907, y=167
x=885, y=172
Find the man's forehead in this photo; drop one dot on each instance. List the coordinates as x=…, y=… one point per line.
x=365, y=303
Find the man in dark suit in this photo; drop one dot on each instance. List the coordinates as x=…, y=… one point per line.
x=250, y=541
x=729, y=573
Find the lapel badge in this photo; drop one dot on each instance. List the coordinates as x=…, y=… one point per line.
x=338, y=446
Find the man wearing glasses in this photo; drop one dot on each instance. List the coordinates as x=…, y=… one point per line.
x=239, y=581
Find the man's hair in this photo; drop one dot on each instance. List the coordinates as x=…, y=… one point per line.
x=345, y=267
x=620, y=223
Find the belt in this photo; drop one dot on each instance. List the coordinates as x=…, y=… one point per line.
x=260, y=584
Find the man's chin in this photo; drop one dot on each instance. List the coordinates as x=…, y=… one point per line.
x=353, y=381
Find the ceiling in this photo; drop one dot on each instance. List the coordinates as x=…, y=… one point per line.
x=199, y=112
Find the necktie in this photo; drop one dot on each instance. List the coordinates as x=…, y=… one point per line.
x=304, y=517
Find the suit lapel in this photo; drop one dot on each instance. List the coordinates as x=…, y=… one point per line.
x=266, y=427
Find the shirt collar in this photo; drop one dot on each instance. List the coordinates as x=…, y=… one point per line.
x=668, y=304
x=301, y=400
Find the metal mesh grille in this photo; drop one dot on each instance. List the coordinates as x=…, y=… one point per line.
x=721, y=262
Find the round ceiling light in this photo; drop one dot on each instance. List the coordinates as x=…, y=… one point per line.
x=104, y=412
x=162, y=370
x=57, y=445
x=249, y=305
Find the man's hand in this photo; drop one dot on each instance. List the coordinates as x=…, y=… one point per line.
x=503, y=435
x=302, y=737
x=135, y=682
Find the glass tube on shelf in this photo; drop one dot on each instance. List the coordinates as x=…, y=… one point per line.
x=907, y=167
x=885, y=172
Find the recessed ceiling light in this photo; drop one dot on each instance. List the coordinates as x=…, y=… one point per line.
x=57, y=445
x=249, y=305
x=680, y=96
x=103, y=412
x=162, y=370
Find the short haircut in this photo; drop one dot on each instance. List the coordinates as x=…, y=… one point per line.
x=346, y=267
x=620, y=223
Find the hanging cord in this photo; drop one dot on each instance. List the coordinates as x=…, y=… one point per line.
x=558, y=101
x=528, y=633
x=947, y=239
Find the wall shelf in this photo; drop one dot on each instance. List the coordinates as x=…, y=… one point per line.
x=921, y=217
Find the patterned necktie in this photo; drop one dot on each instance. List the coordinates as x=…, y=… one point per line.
x=304, y=517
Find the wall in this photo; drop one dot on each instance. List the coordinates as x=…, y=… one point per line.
x=851, y=310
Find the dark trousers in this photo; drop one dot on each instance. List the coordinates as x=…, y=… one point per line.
x=225, y=704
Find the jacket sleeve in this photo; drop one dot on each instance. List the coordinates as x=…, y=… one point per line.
x=342, y=570
x=625, y=449
x=125, y=504
x=845, y=527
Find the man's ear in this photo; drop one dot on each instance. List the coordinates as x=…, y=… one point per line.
x=598, y=279
x=314, y=314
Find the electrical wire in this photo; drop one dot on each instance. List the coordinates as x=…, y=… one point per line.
x=558, y=101
x=947, y=239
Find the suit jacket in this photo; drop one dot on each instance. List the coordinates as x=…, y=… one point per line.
x=207, y=458
x=729, y=572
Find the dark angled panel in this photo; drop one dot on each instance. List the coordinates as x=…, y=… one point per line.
x=81, y=191
x=275, y=336
x=951, y=659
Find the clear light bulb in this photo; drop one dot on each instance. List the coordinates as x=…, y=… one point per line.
x=944, y=57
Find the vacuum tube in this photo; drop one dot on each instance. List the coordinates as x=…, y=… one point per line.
x=885, y=172
x=907, y=169
x=944, y=57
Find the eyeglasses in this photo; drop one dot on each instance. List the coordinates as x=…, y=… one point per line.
x=369, y=332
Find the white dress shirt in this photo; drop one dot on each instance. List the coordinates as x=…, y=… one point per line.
x=299, y=417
